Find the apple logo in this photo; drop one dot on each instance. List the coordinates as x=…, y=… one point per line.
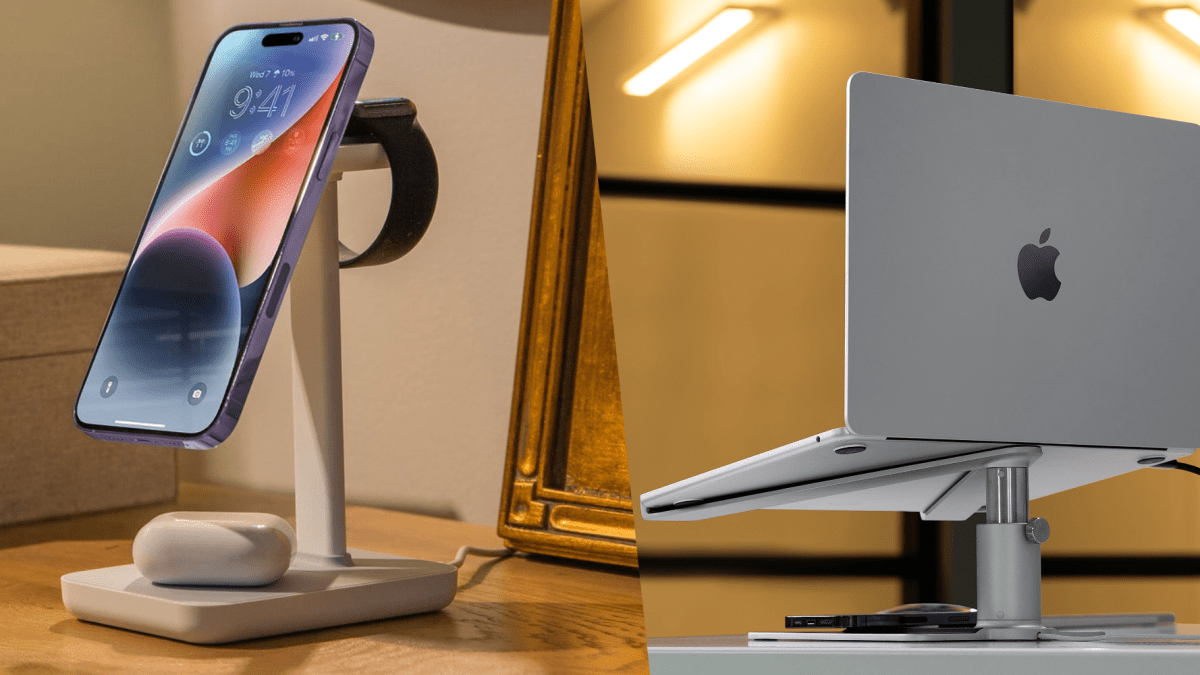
x=1035, y=268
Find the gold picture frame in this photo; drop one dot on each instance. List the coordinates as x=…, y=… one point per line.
x=566, y=479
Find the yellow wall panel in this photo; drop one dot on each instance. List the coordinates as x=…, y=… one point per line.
x=1147, y=512
x=729, y=324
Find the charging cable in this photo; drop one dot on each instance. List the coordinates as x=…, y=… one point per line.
x=461, y=556
x=1175, y=464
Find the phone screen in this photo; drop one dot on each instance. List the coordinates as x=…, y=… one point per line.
x=210, y=241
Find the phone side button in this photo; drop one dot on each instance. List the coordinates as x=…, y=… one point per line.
x=335, y=142
x=323, y=170
x=277, y=292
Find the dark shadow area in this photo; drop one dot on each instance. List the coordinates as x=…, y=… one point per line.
x=763, y=195
x=583, y=565
x=481, y=572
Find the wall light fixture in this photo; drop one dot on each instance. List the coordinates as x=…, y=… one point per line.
x=1185, y=20
x=718, y=29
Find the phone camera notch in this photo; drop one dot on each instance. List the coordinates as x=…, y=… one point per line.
x=282, y=39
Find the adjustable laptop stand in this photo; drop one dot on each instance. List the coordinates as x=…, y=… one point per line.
x=1008, y=570
x=327, y=584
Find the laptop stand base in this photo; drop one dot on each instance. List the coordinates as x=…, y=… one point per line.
x=1008, y=571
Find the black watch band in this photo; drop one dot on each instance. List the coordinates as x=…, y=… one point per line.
x=393, y=124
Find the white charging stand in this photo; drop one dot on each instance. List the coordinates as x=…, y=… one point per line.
x=326, y=585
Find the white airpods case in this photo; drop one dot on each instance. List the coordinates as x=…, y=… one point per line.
x=214, y=549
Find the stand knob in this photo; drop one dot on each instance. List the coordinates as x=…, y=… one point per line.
x=1037, y=530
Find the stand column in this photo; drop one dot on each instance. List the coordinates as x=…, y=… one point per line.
x=317, y=390
x=1009, y=555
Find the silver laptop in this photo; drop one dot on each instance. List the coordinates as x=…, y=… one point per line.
x=1018, y=273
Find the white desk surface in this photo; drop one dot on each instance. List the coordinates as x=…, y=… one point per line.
x=735, y=654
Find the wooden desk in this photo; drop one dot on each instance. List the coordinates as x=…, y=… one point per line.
x=516, y=615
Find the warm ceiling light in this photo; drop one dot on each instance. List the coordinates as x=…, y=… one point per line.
x=718, y=29
x=1185, y=20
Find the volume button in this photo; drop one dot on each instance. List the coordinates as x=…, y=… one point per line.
x=335, y=142
x=277, y=292
x=323, y=172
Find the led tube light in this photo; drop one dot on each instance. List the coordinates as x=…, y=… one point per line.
x=718, y=29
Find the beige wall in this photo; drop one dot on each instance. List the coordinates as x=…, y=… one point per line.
x=88, y=119
x=429, y=342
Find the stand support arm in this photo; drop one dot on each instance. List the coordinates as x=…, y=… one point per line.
x=1008, y=562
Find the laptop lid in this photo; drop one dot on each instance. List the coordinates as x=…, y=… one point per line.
x=1018, y=270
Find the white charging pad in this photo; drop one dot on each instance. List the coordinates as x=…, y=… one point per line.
x=309, y=596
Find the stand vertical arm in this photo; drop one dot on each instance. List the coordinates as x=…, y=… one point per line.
x=1008, y=559
x=317, y=390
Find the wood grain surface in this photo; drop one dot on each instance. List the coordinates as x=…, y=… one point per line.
x=523, y=614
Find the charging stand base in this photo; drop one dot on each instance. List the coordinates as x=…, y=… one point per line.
x=310, y=595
